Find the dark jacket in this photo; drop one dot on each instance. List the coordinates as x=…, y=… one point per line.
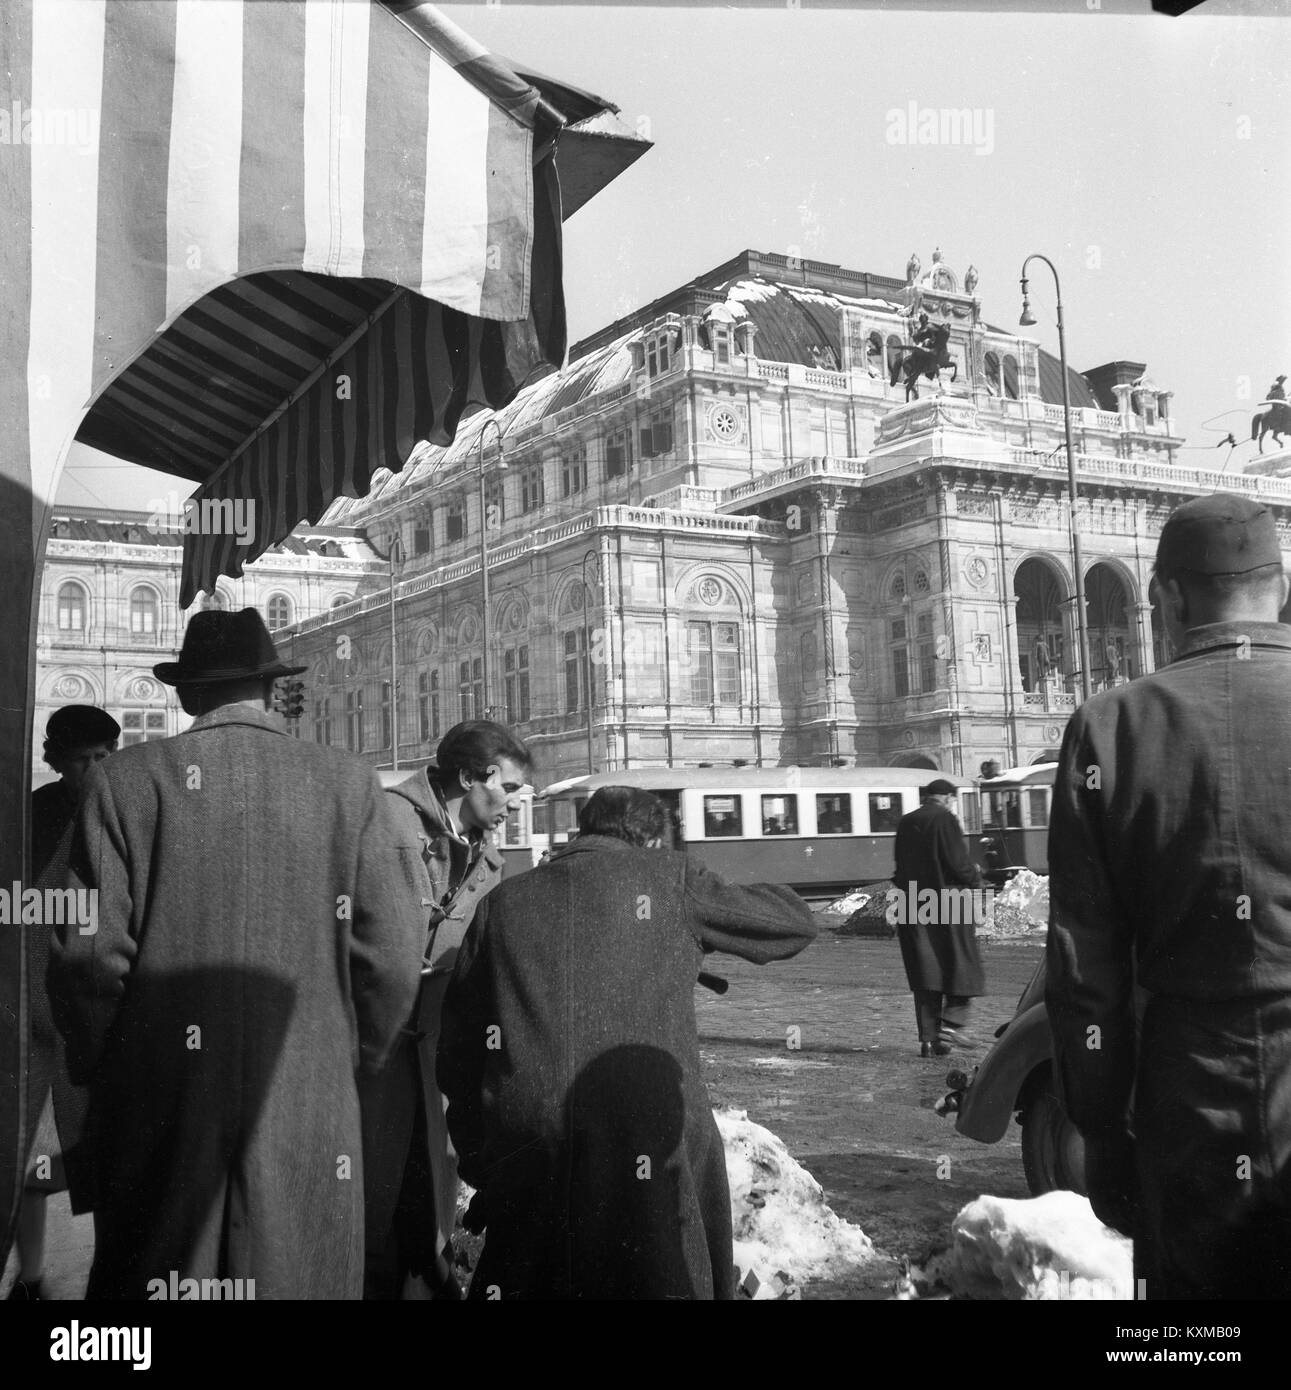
x=438, y=864
x=931, y=852
x=1170, y=860
x=570, y=1058
x=252, y=952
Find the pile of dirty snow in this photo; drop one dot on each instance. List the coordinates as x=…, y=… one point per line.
x=782, y=1224
x=850, y=902
x=1050, y=1247
x=1022, y=905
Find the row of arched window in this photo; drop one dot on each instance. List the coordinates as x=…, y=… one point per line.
x=144, y=608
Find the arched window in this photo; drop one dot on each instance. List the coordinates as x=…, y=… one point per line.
x=71, y=608
x=993, y=382
x=898, y=588
x=214, y=602
x=894, y=351
x=341, y=600
x=143, y=612
x=279, y=612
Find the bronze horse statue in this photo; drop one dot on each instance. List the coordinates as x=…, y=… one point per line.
x=916, y=361
x=1274, y=419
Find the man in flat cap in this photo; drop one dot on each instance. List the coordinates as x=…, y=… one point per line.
x=938, y=940
x=1170, y=870
x=253, y=949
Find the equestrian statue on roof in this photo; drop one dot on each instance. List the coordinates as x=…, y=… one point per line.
x=1274, y=415
x=926, y=355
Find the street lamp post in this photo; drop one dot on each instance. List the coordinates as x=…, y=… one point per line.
x=587, y=654
x=484, y=555
x=1027, y=320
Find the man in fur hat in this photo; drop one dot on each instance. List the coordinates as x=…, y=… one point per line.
x=252, y=952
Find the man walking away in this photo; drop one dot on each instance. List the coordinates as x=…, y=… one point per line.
x=939, y=946
x=251, y=952
x=1170, y=869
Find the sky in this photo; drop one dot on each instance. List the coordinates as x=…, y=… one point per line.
x=1148, y=157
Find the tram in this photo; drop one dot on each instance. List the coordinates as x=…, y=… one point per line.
x=1011, y=816
x=820, y=831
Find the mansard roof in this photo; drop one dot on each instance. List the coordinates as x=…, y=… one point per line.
x=791, y=317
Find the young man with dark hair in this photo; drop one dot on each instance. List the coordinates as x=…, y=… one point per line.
x=569, y=1056
x=1170, y=874
x=446, y=815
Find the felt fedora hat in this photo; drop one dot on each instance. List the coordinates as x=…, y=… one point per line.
x=225, y=647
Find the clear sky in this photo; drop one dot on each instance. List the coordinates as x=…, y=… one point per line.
x=1149, y=158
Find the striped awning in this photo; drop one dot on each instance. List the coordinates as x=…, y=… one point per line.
x=265, y=247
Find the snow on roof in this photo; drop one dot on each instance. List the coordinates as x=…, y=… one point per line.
x=750, y=291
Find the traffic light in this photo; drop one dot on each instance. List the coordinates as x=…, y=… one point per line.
x=290, y=699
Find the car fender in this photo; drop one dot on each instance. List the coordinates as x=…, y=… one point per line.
x=990, y=1099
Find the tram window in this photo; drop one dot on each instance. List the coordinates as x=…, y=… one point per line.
x=885, y=811
x=1038, y=807
x=834, y=814
x=511, y=833
x=722, y=816
x=971, y=806
x=779, y=815
x=564, y=818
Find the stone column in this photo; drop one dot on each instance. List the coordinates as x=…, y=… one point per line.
x=1146, y=657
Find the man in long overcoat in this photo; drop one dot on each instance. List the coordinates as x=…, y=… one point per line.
x=251, y=953
x=1170, y=873
x=570, y=1058
x=445, y=817
x=938, y=942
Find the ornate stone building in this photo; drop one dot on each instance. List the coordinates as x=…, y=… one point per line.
x=725, y=521
x=109, y=612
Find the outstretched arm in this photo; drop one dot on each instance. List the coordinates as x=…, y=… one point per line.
x=761, y=921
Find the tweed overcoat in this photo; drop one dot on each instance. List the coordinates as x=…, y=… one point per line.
x=417, y=1211
x=570, y=1058
x=931, y=853
x=252, y=952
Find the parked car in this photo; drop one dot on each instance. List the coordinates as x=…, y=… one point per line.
x=1015, y=1078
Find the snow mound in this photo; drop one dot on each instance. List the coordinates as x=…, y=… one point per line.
x=1049, y=1247
x=850, y=902
x=1027, y=892
x=782, y=1224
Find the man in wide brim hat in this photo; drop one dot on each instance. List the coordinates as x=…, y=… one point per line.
x=253, y=948
x=1170, y=875
x=222, y=647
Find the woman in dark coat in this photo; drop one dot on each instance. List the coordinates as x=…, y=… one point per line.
x=76, y=737
x=569, y=1056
